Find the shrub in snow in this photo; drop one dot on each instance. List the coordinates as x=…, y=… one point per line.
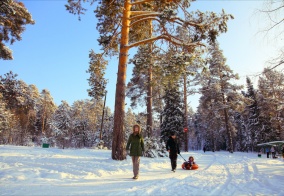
x=27, y=140
x=100, y=145
x=154, y=148
x=44, y=140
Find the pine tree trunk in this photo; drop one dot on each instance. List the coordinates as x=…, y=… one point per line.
x=102, y=123
x=118, y=143
x=160, y=108
x=185, y=113
x=43, y=123
x=149, y=103
x=43, y=117
x=150, y=90
x=230, y=139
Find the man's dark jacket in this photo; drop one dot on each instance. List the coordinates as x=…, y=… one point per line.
x=173, y=146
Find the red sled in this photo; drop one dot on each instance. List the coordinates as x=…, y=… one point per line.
x=187, y=167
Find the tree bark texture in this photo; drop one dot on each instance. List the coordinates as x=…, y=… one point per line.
x=150, y=92
x=118, y=143
x=149, y=103
x=230, y=140
x=185, y=113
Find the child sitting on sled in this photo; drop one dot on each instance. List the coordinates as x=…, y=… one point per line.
x=190, y=162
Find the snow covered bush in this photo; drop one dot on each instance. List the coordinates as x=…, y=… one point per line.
x=154, y=148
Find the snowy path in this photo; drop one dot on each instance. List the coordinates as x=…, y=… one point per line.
x=37, y=171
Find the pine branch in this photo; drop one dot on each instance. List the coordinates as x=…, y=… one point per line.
x=145, y=14
x=139, y=2
x=169, y=38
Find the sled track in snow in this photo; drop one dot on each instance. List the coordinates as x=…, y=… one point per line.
x=210, y=163
x=254, y=178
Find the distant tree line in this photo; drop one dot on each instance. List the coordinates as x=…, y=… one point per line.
x=31, y=118
x=28, y=117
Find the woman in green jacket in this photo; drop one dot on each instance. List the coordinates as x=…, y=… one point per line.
x=136, y=145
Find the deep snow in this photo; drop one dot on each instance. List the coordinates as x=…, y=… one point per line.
x=51, y=171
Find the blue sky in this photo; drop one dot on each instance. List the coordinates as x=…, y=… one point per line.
x=53, y=53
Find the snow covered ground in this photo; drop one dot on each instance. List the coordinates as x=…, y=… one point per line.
x=51, y=171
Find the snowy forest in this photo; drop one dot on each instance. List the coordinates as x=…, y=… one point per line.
x=254, y=115
x=175, y=58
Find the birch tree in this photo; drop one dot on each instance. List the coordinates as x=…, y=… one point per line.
x=272, y=22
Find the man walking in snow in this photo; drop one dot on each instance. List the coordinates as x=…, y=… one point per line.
x=173, y=149
x=267, y=152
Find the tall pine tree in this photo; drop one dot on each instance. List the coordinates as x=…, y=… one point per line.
x=125, y=24
x=173, y=116
x=219, y=96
